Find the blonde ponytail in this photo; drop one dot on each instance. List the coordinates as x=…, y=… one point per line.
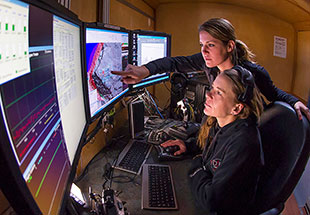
x=205, y=131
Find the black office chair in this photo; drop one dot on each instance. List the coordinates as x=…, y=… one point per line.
x=286, y=145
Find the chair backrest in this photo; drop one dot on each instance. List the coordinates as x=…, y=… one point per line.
x=286, y=145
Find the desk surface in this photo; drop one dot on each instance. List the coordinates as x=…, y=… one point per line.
x=131, y=191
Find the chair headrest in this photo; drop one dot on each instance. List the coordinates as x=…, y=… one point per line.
x=284, y=139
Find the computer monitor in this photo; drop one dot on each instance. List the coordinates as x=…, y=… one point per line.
x=148, y=46
x=43, y=119
x=106, y=50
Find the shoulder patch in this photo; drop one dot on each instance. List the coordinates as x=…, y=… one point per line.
x=215, y=163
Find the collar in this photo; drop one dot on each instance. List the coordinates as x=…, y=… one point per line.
x=237, y=123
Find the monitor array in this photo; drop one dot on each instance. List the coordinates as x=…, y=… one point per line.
x=55, y=80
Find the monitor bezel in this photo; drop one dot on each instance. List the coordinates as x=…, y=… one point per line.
x=163, y=76
x=19, y=196
x=108, y=107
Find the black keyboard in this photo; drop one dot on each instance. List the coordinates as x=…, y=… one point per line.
x=157, y=188
x=133, y=156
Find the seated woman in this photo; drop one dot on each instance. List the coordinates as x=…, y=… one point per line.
x=223, y=178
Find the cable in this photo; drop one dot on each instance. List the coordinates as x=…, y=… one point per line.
x=154, y=103
x=108, y=175
x=152, y=96
x=92, y=161
x=191, y=110
x=149, y=109
x=112, y=171
x=127, y=179
x=96, y=129
x=85, y=171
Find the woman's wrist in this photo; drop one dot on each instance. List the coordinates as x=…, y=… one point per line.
x=146, y=71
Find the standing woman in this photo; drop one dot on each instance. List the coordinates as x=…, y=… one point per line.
x=223, y=178
x=220, y=50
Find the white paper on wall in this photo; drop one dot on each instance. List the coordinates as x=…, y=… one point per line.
x=280, y=46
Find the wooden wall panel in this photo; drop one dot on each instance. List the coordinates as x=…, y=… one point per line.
x=142, y=6
x=302, y=26
x=302, y=75
x=86, y=10
x=291, y=11
x=256, y=29
x=131, y=17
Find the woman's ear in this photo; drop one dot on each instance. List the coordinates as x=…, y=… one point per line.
x=230, y=46
x=237, y=109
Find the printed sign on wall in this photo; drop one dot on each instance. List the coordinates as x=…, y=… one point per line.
x=280, y=46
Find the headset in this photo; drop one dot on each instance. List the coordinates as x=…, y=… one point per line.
x=178, y=83
x=247, y=81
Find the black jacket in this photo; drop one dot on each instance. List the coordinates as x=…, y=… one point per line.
x=224, y=180
x=196, y=63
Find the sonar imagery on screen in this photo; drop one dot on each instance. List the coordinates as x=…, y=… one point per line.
x=105, y=58
x=106, y=51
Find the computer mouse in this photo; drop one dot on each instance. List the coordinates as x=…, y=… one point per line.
x=171, y=149
x=164, y=136
x=167, y=153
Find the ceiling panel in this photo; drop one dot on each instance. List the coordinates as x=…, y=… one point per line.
x=292, y=11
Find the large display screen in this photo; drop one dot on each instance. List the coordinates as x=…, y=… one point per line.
x=148, y=46
x=106, y=51
x=68, y=77
x=41, y=97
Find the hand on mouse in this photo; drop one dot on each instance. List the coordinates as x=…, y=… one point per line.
x=177, y=142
